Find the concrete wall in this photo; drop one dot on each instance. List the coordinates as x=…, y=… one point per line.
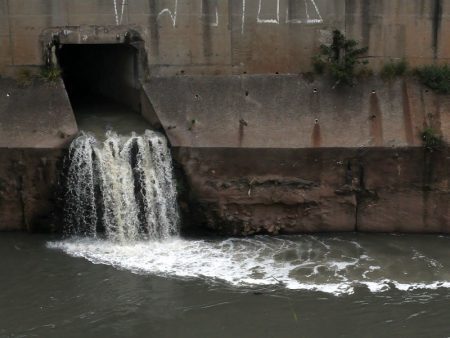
x=36, y=124
x=236, y=36
x=261, y=153
x=291, y=111
x=29, y=181
x=35, y=115
x=269, y=190
x=290, y=154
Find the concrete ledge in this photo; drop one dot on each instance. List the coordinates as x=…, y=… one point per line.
x=291, y=111
x=35, y=116
x=36, y=123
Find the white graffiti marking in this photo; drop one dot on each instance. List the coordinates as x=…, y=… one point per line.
x=243, y=17
x=320, y=20
x=172, y=14
x=216, y=16
x=308, y=20
x=119, y=16
x=276, y=20
x=216, y=23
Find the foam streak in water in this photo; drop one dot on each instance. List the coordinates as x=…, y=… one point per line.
x=299, y=262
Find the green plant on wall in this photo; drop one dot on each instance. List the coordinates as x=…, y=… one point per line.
x=435, y=77
x=341, y=59
x=50, y=74
x=394, y=69
x=431, y=140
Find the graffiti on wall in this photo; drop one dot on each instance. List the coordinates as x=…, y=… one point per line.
x=214, y=8
x=304, y=12
x=275, y=7
x=309, y=14
x=119, y=9
x=268, y=12
x=171, y=12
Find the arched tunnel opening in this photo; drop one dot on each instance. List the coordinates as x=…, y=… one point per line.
x=102, y=81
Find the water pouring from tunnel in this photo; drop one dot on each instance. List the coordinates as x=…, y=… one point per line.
x=122, y=188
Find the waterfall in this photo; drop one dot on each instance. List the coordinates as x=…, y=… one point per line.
x=122, y=187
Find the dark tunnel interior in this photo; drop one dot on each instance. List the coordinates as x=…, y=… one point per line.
x=101, y=81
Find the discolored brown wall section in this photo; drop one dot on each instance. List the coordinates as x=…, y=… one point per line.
x=282, y=191
x=29, y=179
x=235, y=36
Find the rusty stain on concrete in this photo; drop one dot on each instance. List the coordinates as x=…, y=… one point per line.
x=407, y=115
x=436, y=26
x=207, y=37
x=435, y=119
x=376, y=121
x=316, y=136
x=242, y=125
x=154, y=27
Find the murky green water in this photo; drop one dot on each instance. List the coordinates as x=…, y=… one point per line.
x=47, y=292
x=99, y=116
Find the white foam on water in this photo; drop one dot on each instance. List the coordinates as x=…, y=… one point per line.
x=299, y=264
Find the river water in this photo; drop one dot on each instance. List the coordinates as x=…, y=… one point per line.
x=346, y=285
